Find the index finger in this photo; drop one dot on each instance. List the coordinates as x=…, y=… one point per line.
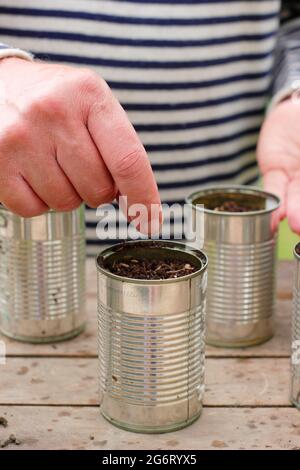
x=122, y=151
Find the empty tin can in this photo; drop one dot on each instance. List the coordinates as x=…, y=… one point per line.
x=151, y=341
x=42, y=275
x=295, y=353
x=241, y=248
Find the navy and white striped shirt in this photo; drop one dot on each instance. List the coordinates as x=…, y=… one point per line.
x=193, y=75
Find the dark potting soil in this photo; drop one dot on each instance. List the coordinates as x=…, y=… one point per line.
x=144, y=268
x=233, y=206
x=298, y=249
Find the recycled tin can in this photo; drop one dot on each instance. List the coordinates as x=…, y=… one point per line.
x=151, y=341
x=295, y=355
x=42, y=275
x=241, y=248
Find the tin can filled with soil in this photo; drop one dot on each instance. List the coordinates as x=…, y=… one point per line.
x=295, y=354
x=151, y=307
x=42, y=275
x=241, y=247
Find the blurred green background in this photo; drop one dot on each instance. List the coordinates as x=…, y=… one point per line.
x=287, y=241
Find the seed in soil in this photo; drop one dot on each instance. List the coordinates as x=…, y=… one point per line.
x=144, y=268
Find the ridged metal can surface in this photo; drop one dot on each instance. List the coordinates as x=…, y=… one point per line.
x=295, y=353
x=42, y=275
x=151, y=341
x=241, y=248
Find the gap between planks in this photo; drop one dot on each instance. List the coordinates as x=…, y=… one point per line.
x=97, y=405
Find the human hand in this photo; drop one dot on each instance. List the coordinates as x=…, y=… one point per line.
x=64, y=139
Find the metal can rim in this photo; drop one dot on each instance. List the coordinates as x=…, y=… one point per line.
x=297, y=255
x=243, y=189
x=182, y=247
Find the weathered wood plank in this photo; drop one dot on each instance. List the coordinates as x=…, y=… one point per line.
x=84, y=428
x=71, y=381
x=85, y=345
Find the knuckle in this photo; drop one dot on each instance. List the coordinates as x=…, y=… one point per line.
x=93, y=87
x=130, y=165
x=103, y=88
x=103, y=103
x=101, y=196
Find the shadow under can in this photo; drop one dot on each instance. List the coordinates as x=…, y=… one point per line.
x=42, y=275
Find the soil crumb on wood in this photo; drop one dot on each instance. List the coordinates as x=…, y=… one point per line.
x=11, y=440
x=143, y=268
x=232, y=201
x=233, y=206
x=3, y=422
x=219, y=444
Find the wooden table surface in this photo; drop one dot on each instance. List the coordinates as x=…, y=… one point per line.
x=48, y=393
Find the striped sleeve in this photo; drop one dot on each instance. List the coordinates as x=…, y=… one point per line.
x=287, y=62
x=9, y=51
